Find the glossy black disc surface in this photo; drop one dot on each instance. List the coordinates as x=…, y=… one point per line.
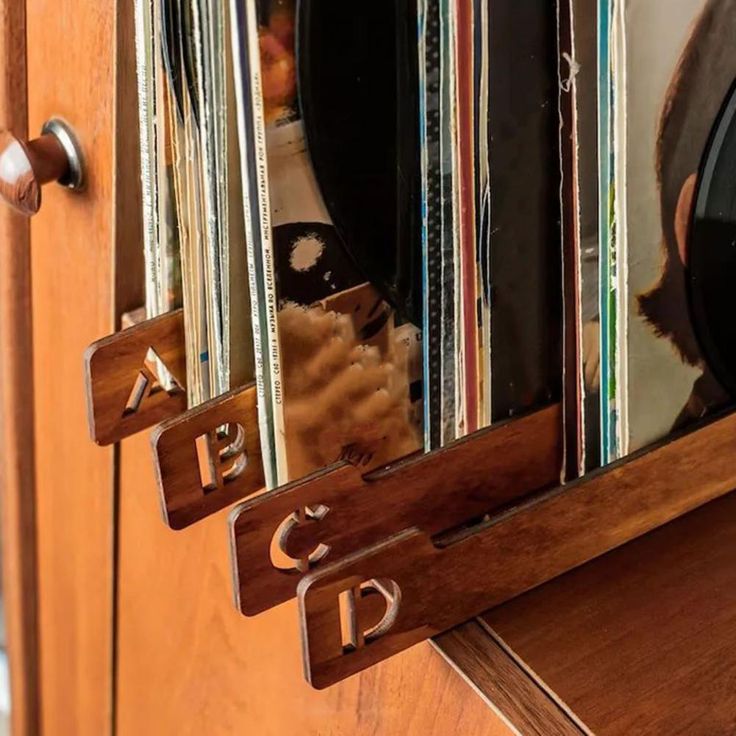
x=712, y=250
x=358, y=91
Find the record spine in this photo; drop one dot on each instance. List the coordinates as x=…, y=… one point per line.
x=466, y=209
x=424, y=165
x=429, y=53
x=246, y=60
x=573, y=385
x=483, y=209
x=450, y=346
x=619, y=274
x=203, y=27
x=144, y=41
x=605, y=207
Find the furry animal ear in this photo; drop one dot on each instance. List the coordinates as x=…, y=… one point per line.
x=683, y=214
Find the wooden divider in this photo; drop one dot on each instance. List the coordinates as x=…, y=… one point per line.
x=436, y=586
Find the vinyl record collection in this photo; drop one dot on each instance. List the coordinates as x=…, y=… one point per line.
x=398, y=217
x=644, y=110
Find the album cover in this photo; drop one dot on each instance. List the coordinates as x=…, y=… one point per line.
x=672, y=84
x=207, y=43
x=357, y=76
x=241, y=358
x=339, y=362
x=481, y=112
x=160, y=229
x=187, y=187
x=525, y=234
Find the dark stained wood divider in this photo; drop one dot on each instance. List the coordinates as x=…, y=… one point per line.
x=348, y=510
x=443, y=585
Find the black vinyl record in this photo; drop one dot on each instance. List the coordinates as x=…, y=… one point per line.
x=712, y=250
x=358, y=91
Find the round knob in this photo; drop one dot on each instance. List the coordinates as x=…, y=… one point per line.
x=26, y=166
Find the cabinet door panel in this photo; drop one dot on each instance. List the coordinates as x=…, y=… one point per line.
x=71, y=74
x=17, y=512
x=189, y=663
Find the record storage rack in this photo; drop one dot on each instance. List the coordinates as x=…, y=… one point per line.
x=379, y=562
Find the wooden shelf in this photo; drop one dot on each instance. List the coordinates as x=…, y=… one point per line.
x=415, y=547
x=430, y=584
x=639, y=641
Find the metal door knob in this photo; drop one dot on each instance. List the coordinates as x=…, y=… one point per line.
x=26, y=166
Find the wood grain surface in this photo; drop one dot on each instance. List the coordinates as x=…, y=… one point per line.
x=642, y=640
x=441, y=586
x=114, y=366
x=17, y=487
x=571, y=248
x=432, y=492
x=186, y=445
x=513, y=693
x=71, y=74
x=190, y=664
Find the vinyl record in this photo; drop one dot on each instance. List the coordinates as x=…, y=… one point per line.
x=358, y=89
x=712, y=250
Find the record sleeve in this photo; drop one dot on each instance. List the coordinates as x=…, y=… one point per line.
x=525, y=232
x=672, y=85
x=199, y=122
x=256, y=213
x=451, y=386
x=607, y=234
x=358, y=96
x=428, y=46
x=208, y=52
x=337, y=373
x=160, y=229
x=582, y=243
x=466, y=212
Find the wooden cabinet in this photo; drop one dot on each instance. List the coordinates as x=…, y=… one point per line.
x=137, y=632
x=119, y=625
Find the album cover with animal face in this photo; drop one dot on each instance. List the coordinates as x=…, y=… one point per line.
x=674, y=68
